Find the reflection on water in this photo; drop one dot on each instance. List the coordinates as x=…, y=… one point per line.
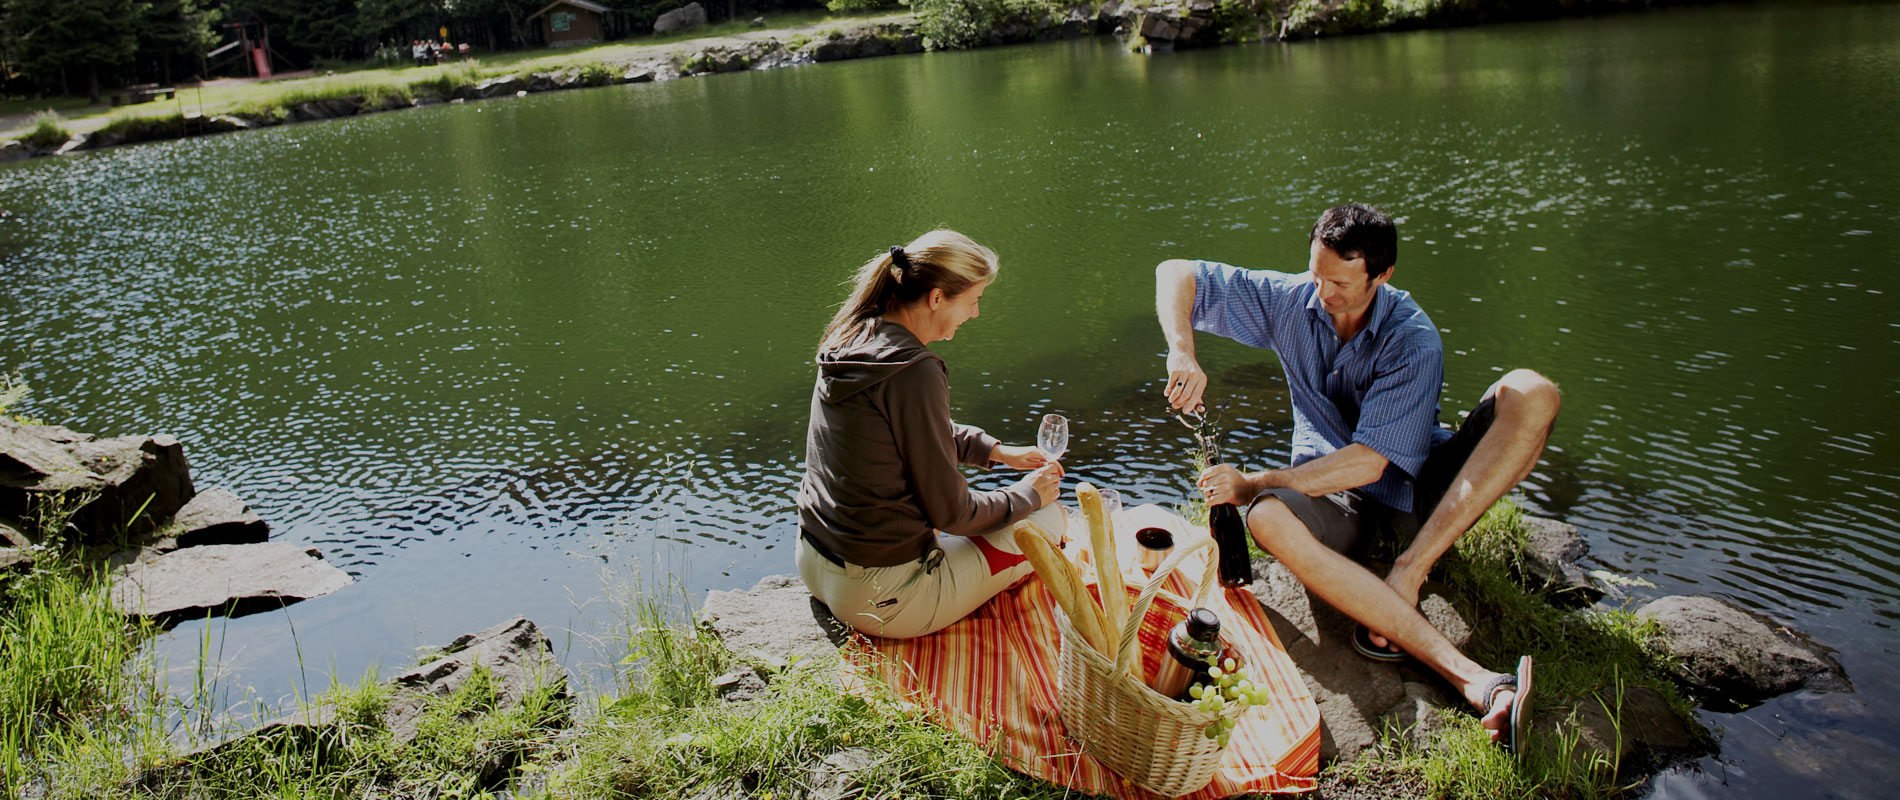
x=478, y=354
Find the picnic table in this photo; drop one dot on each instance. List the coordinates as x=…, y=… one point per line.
x=142, y=93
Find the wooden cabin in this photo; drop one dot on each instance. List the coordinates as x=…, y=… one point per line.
x=570, y=22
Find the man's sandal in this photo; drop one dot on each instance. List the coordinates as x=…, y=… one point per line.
x=1517, y=724
x=1362, y=642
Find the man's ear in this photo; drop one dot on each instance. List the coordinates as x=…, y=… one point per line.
x=1385, y=276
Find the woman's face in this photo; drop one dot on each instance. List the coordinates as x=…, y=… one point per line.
x=950, y=312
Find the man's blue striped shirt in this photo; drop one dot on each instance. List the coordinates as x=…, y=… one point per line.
x=1379, y=389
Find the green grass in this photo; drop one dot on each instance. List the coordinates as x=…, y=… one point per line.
x=15, y=106
x=66, y=655
x=667, y=735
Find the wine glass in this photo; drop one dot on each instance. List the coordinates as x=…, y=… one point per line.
x=1111, y=502
x=1053, y=437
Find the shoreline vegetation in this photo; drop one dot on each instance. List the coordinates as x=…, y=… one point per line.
x=863, y=29
x=85, y=711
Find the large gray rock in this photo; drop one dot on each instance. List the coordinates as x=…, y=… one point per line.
x=223, y=579
x=517, y=655
x=225, y=123
x=12, y=536
x=325, y=109
x=133, y=481
x=1637, y=730
x=1357, y=697
x=1352, y=693
x=742, y=685
x=842, y=775
x=1549, y=562
x=217, y=516
x=14, y=150
x=1733, y=657
x=504, y=86
x=774, y=622
x=680, y=19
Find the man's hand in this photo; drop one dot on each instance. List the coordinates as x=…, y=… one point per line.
x=1016, y=457
x=1186, y=381
x=1225, y=484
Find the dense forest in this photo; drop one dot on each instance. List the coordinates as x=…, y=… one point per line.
x=72, y=47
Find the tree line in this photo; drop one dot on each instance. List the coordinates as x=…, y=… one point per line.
x=70, y=47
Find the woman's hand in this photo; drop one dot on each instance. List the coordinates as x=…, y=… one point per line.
x=1020, y=457
x=1046, y=481
x=1225, y=484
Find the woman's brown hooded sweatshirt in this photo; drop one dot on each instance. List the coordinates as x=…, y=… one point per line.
x=881, y=455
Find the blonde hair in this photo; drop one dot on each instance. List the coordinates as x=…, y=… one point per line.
x=941, y=259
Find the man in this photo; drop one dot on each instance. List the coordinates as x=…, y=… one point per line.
x=1363, y=366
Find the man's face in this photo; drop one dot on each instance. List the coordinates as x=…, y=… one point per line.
x=1343, y=285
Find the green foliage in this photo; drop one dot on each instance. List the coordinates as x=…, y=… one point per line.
x=957, y=24
x=321, y=27
x=856, y=6
x=177, y=28
x=401, y=19
x=45, y=37
x=1236, y=21
x=47, y=133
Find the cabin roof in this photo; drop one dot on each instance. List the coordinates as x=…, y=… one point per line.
x=582, y=4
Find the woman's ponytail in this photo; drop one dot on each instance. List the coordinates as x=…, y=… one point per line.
x=941, y=259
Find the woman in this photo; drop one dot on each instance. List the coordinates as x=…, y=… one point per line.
x=881, y=480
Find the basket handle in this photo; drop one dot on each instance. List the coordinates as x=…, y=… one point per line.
x=1125, y=649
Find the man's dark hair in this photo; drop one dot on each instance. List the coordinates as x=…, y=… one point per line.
x=1359, y=231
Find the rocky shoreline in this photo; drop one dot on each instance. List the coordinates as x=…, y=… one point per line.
x=1151, y=28
x=176, y=553
x=129, y=503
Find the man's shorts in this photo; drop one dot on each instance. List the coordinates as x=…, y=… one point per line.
x=1349, y=522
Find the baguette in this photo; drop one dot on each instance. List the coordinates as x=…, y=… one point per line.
x=1108, y=564
x=1063, y=582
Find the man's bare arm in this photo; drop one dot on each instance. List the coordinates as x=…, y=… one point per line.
x=1174, y=307
x=1349, y=467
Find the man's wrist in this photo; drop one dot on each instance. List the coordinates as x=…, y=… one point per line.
x=1263, y=480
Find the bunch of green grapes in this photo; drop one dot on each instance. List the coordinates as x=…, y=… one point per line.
x=1232, y=687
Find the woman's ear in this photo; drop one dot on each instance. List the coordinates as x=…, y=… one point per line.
x=936, y=297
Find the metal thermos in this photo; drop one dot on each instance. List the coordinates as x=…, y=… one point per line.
x=1230, y=537
x=1154, y=544
x=1192, y=645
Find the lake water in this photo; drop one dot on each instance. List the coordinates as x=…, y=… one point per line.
x=504, y=357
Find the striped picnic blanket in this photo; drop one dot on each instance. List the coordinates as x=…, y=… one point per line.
x=992, y=678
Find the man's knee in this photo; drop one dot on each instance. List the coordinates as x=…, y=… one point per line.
x=1273, y=525
x=1527, y=392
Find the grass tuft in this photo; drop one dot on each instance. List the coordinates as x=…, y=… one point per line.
x=47, y=131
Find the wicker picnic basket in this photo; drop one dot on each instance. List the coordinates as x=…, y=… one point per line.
x=1156, y=742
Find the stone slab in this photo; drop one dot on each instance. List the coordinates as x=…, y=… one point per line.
x=223, y=579
x=216, y=516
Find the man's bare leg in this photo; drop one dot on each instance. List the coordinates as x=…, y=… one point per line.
x=1527, y=406
x=1361, y=595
